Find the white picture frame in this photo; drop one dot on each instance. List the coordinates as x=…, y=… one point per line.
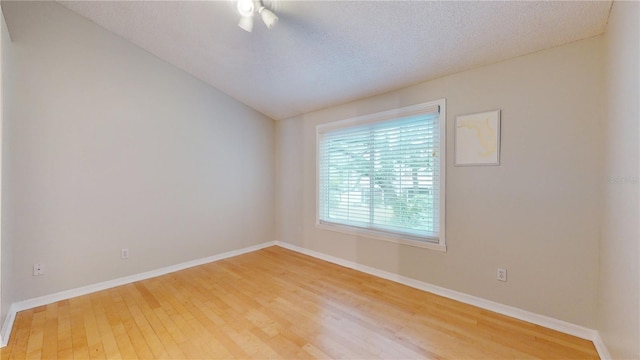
x=477, y=139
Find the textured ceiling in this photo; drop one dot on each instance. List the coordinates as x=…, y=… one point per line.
x=323, y=53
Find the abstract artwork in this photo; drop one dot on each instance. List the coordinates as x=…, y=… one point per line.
x=477, y=139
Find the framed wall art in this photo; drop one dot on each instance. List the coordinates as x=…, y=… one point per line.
x=477, y=139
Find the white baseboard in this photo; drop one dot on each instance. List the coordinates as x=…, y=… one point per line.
x=8, y=325
x=542, y=320
x=548, y=322
x=63, y=295
x=603, y=352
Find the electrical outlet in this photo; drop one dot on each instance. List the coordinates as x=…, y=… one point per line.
x=502, y=274
x=124, y=254
x=38, y=269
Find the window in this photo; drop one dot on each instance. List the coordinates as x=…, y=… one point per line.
x=382, y=175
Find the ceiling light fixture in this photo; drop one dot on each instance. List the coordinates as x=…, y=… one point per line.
x=247, y=9
x=269, y=18
x=246, y=23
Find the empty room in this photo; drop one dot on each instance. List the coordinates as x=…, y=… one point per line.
x=253, y=179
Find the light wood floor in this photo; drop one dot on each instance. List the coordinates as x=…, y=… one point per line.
x=276, y=303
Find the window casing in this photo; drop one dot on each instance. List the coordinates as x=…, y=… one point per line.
x=383, y=175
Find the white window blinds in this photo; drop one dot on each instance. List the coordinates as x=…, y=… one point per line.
x=383, y=175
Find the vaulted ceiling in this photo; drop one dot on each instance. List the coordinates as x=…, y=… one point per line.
x=322, y=53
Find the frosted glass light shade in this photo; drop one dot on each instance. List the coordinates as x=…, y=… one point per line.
x=269, y=18
x=245, y=8
x=246, y=23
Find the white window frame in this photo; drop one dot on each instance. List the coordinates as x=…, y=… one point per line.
x=440, y=245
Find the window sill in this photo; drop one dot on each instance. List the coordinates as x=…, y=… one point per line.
x=379, y=236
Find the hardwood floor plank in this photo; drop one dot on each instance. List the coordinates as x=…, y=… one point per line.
x=156, y=345
x=198, y=319
x=129, y=328
x=78, y=334
x=50, y=334
x=34, y=346
x=277, y=304
x=94, y=340
x=65, y=342
x=109, y=343
x=17, y=347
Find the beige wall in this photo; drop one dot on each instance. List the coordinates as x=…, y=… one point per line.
x=113, y=148
x=619, y=300
x=6, y=49
x=537, y=214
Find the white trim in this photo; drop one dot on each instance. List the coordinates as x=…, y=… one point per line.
x=427, y=107
x=379, y=235
x=2, y=30
x=8, y=325
x=542, y=320
x=443, y=174
x=67, y=294
x=520, y=314
x=439, y=106
x=601, y=348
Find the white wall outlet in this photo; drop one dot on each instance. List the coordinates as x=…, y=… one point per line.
x=38, y=269
x=124, y=254
x=502, y=274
